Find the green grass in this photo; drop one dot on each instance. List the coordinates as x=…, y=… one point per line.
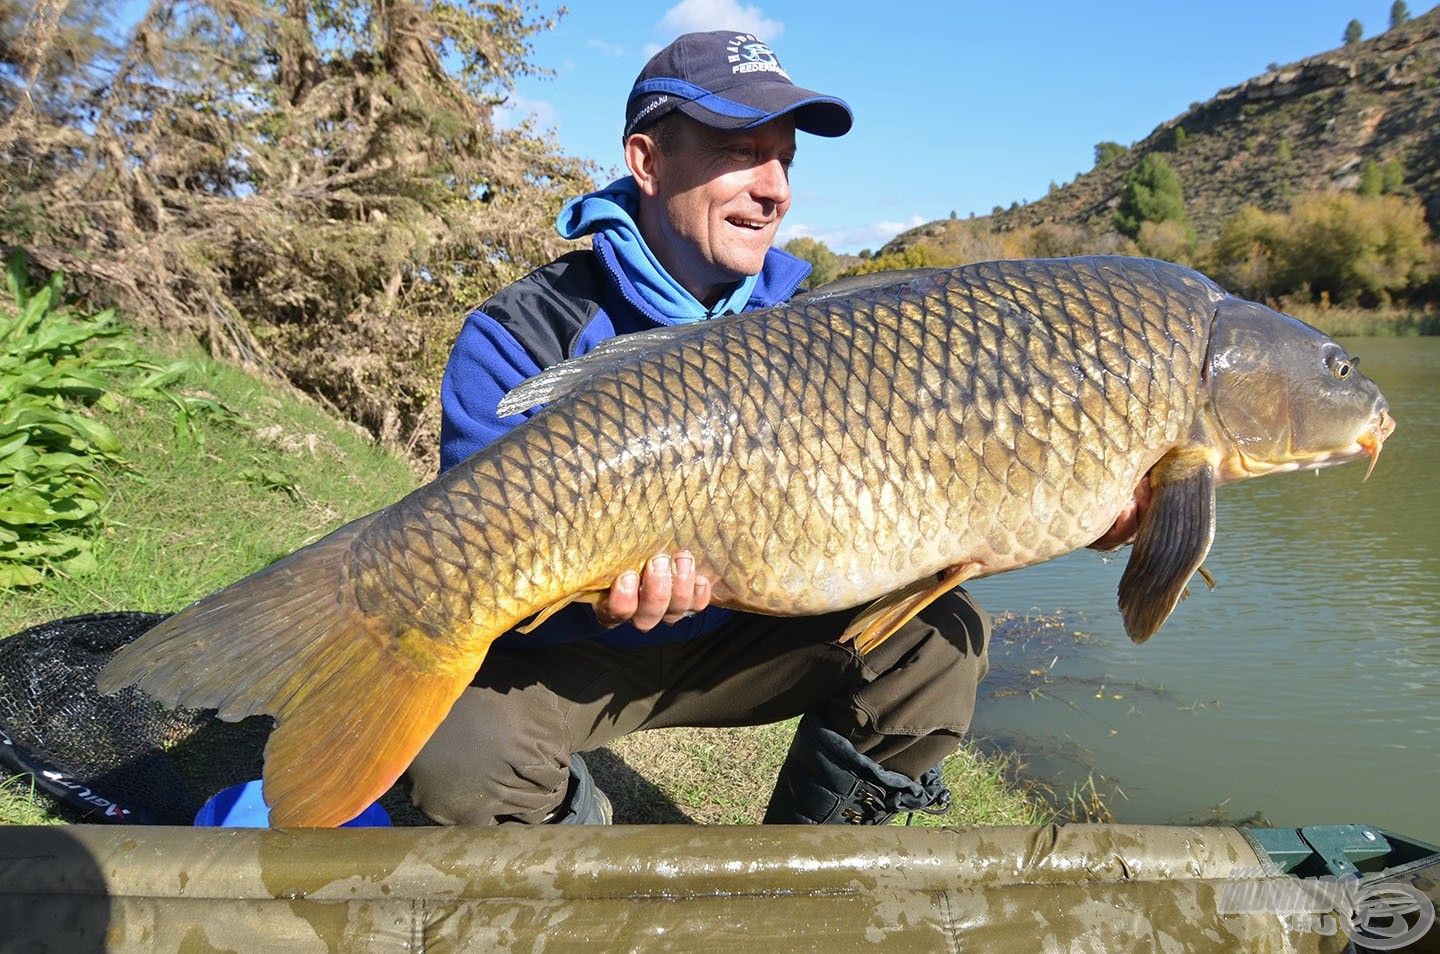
x=18, y=805
x=724, y=777
x=204, y=502
x=197, y=508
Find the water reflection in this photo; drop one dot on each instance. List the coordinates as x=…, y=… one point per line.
x=1306, y=687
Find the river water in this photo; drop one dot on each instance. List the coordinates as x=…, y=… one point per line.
x=1304, y=689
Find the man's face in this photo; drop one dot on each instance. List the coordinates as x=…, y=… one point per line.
x=713, y=203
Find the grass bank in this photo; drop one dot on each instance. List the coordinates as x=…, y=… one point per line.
x=203, y=501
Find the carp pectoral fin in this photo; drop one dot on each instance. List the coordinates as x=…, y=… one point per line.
x=591, y=596
x=1174, y=537
x=879, y=621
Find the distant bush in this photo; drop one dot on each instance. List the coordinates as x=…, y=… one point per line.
x=1354, y=31
x=914, y=256
x=1359, y=250
x=1173, y=241
x=1243, y=257
x=1341, y=247
x=824, y=266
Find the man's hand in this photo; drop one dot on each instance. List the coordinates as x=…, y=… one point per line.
x=1122, y=531
x=668, y=591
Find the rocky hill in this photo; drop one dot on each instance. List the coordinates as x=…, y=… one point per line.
x=1304, y=127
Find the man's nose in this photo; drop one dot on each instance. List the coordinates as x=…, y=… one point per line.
x=772, y=182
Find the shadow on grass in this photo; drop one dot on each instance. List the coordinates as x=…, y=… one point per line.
x=635, y=798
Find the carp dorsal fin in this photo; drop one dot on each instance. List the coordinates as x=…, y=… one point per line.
x=879, y=621
x=859, y=283
x=562, y=378
x=1173, y=540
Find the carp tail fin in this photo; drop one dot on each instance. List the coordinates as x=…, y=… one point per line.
x=351, y=708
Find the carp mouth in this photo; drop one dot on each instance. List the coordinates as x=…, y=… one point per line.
x=1371, y=441
x=1238, y=465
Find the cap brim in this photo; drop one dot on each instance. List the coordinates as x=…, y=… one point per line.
x=815, y=113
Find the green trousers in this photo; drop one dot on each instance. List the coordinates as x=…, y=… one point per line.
x=502, y=754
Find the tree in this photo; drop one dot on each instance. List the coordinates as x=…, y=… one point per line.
x=315, y=187
x=1392, y=176
x=1399, y=13
x=824, y=266
x=1106, y=151
x=1354, y=31
x=1151, y=193
x=1372, y=182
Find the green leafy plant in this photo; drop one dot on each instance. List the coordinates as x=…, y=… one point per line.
x=53, y=364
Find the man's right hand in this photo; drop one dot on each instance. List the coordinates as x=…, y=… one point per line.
x=667, y=591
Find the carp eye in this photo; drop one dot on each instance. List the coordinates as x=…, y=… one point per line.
x=1340, y=365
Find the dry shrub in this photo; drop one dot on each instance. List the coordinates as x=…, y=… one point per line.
x=313, y=187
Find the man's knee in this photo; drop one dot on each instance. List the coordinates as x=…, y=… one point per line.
x=492, y=759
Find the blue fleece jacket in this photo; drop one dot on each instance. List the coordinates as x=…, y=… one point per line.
x=564, y=310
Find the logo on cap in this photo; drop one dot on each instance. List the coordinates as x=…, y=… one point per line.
x=749, y=55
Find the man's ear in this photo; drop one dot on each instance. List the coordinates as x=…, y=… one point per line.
x=642, y=156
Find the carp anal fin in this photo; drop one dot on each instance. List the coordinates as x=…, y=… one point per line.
x=592, y=596
x=1174, y=537
x=882, y=618
x=560, y=379
x=350, y=712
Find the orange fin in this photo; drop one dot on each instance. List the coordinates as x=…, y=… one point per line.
x=584, y=596
x=340, y=746
x=355, y=695
x=879, y=621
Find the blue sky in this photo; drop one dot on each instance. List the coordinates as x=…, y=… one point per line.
x=959, y=106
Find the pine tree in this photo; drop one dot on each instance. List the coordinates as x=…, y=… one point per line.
x=1399, y=13
x=1354, y=30
x=1151, y=193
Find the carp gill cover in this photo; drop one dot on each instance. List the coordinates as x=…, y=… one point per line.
x=877, y=444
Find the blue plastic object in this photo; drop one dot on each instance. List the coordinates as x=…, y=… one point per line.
x=243, y=806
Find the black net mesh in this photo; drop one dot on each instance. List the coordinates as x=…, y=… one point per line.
x=121, y=758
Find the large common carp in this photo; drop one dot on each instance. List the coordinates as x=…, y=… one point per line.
x=879, y=443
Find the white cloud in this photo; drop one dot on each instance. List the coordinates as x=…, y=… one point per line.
x=690, y=16
x=609, y=49
x=516, y=109
x=852, y=239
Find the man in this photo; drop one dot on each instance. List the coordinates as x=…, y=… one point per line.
x=709, y=137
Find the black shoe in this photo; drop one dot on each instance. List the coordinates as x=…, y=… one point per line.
x=584, y=803
x=824, y=781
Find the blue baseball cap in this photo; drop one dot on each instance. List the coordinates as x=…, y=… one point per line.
x=728, y=80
